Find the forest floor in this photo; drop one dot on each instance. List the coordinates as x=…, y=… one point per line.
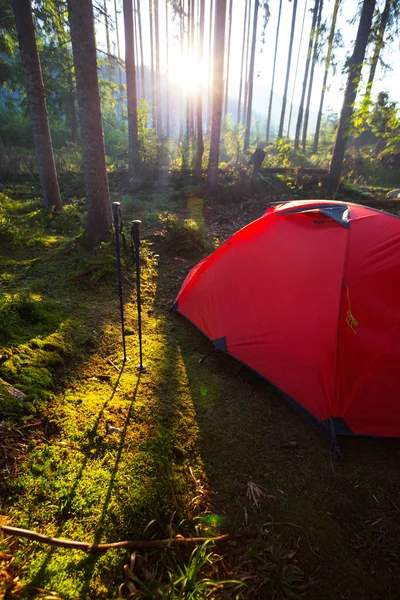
x=201, y=448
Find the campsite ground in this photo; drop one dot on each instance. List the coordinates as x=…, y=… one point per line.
x=202, y=447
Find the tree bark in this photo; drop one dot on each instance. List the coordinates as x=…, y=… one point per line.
x=353, y=80
x=182, y=54
x=246, y=68
x=218, y=90
x=305, y=80
x=141, y=51
x=210, y=58
x=81, y=25
x=72, y=108
x=242, y=63
x=167, y=66
x=153, y=83
x=327, y=65
x=378, y=47
x=200, y=143
x=273, y=72
x=297, y=70
x=136, y=45
x=158, y=75
x=289, y=61
x=119, y=104
x=37, y=103
x=228, y=50
x=310, y=86
x=107, y=39
x=251, y=79
x=131, y=92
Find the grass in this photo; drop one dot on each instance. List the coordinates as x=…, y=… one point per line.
x=201, y=448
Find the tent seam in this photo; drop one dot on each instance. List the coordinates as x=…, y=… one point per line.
x=342, y=283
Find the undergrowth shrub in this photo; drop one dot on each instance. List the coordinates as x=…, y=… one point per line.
x=185, y=237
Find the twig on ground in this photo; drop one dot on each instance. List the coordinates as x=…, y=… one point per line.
x=133, y=544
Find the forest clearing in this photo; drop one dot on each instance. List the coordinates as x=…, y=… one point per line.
x=192, y=478
x=201, y=449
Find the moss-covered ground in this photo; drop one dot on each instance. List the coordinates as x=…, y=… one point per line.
x=199, y=447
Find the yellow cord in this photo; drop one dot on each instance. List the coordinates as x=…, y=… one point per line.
x=350, y=319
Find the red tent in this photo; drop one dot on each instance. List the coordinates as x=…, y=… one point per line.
x=308, y=296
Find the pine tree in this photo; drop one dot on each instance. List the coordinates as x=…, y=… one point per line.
x=246, y=11
x=289, y=61
x=251, y=78
x=297, y=69
x=200, y=143
x=228, y=56
x=384, y=19
x=353, y=80
x=326, y=72
x=218, y=90
x=81, y=23
x=273, y=72
x=37, y=103
x=131, y=91
x=305, y=80
x=310, y=85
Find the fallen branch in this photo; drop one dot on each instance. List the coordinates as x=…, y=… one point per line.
x=131, y=544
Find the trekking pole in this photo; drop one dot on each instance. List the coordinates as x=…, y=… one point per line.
x=135, y=245
x=116, y=209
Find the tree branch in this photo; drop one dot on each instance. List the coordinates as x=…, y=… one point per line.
x=132, y=544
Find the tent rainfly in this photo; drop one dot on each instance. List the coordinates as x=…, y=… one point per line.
x=308, y=296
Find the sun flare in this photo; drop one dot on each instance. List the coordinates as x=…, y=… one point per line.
x=189, y=74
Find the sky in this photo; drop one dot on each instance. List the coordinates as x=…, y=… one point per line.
x=188, y=73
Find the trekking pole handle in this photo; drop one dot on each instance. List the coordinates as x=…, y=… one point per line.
x=135, y=232
x=116, y=209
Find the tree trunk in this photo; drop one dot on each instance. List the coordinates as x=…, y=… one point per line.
x=289, y=61
x=305, y=80
x=327, y=65
x=242, y=62
x=246, y=68
x=273, y=72
x=153, y=83
x=353, y=79
x=37, y=103
x=310, y=86
x=297, y=70
x=182, y=54
x=81, y=26
x=141, y=51
x=131, y=93
x=136, y=46
x=107, y=39
x=72, y=108
x=251, y=79
x=378, y=47
x=188, y=129
x=167, y=65
x=119, y=104
x=218, y=90
x=228, y=50
x=200, y=143
x=158, y=75
x=210, y=58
